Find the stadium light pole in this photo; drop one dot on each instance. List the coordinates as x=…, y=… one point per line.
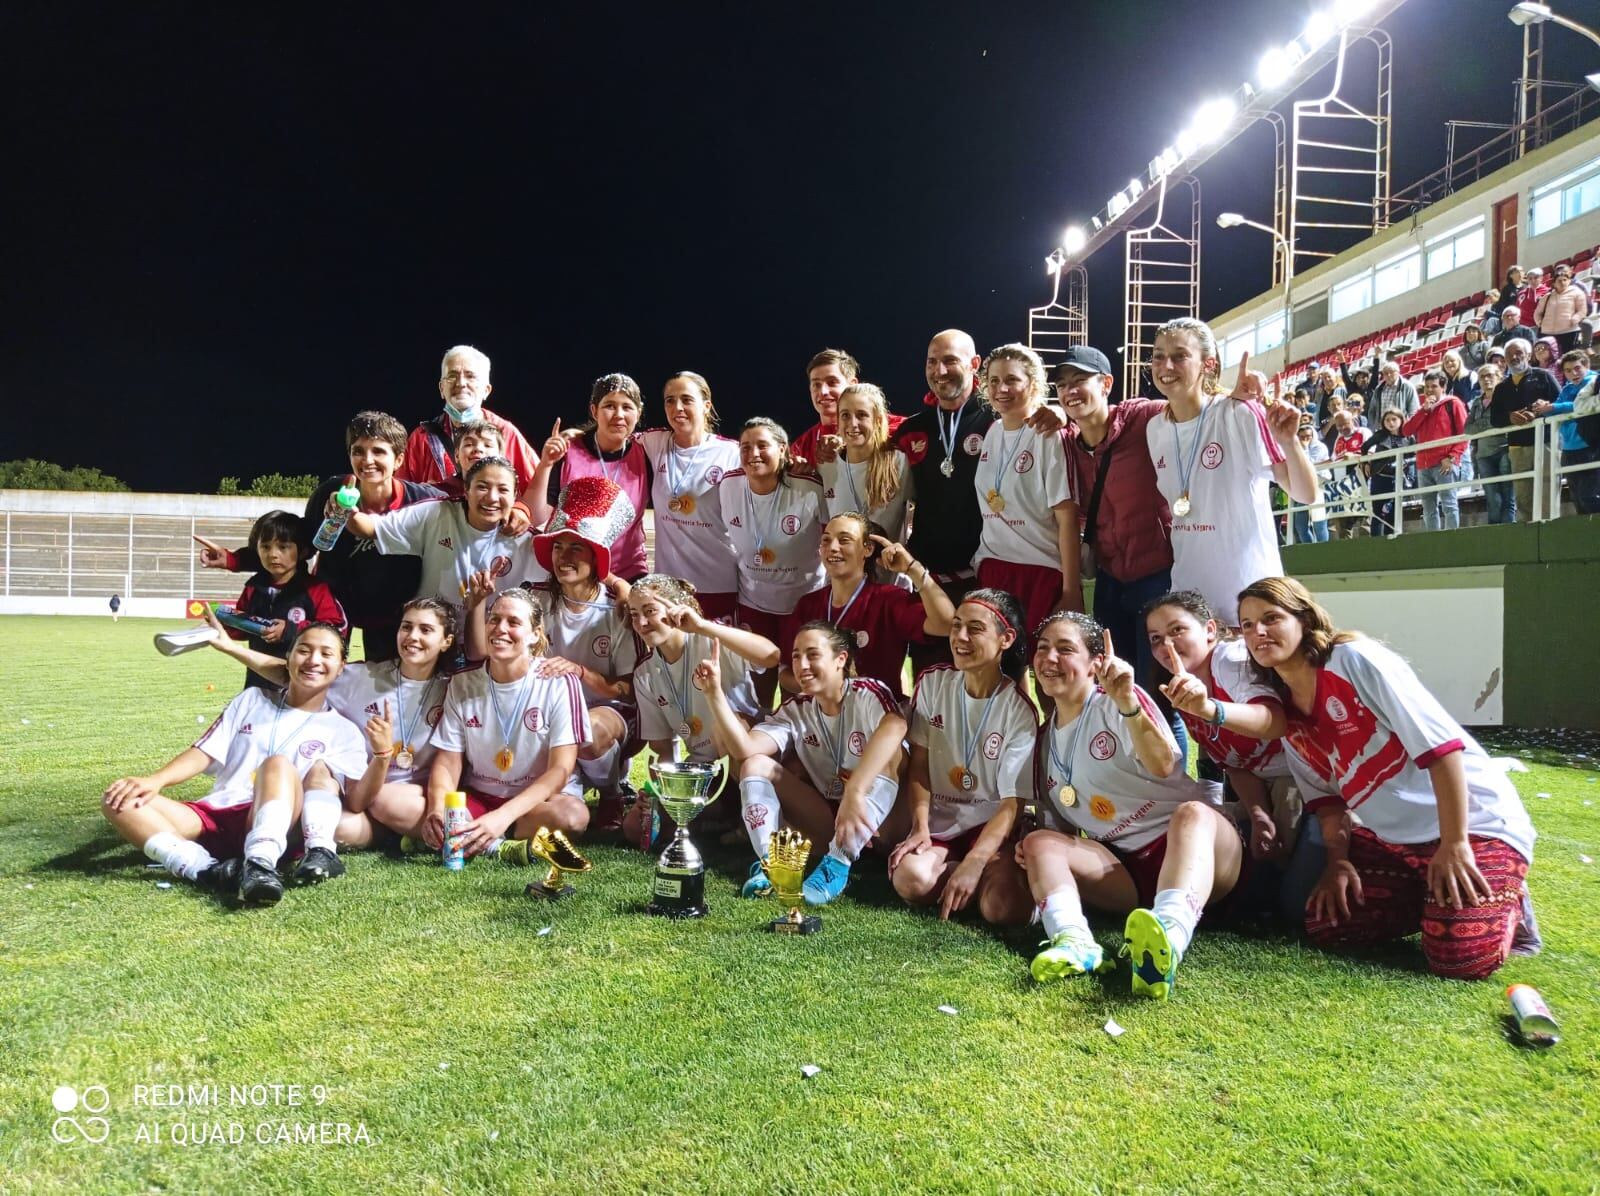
x=1234, y=220
x=1536, y=14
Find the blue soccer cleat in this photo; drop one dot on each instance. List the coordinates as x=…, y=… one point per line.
x=826, y=881
x=757, y=885
x=1149, y=951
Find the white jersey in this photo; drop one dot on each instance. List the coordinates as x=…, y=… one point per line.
x=1114, y=798
x=1368, y=741
x=1233, y=679
x=830, y=748
x=597, y=635
x=529, y=716
x=1228, y=538
x=785, y=529
x=254, y=726
x=1030, y=473
x=993, y=744
x=415, y=708
x=844, y=488
x=669, y=703
x=691, y=532
x=452, y=550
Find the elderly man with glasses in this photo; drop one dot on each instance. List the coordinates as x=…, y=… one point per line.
x=1522, y=396
x=1393, y=391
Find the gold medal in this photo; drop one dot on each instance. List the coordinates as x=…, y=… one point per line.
x=765, y=556
x=1068, y=795
x=686, y=504
x=403, y=758
x=997, y=502
x=958, y=777
x=684, y=731
x=695, y=725
x=675, y=504
x=503, y=759
x=1183, y=506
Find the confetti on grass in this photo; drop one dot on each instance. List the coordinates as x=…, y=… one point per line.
x=163, y=884
x=950, y=1009
x=809, y=1070
x=544, y=930
x=1113, y=1029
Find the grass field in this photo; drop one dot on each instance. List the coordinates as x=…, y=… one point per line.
x=620, y=1053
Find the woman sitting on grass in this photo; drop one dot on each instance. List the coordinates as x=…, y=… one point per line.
x=971, y=736
x=509, y=738
x=848, y=735
x=672, y=708
x=1444, y=843
x=276, y=758
x=398, y=701
x=1126, y=829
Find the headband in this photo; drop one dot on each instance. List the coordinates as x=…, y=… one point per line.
x=995, y=611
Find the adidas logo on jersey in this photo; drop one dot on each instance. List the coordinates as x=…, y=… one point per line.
x=445, y=543
x=245, y=730
x=811, y=740
x=937, y=721
x=372, y=708
x=1161, y=462
x=734, y=522
x=474, y=721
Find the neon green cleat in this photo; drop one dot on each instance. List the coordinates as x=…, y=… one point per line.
x=514, y=852
x=1073, y=952
x=1149, y=951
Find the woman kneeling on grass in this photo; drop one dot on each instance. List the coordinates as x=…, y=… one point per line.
x=971, y=735
x=509, y=737
x=398, y=701
x=276, y=757
x=1131, y=831
x=848, y=735
x=1444, y=843
x=668, y=619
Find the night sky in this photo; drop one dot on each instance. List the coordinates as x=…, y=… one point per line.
x=229, y=227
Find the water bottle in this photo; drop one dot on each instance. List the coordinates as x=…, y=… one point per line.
x=456, y=819
x=1534, y=1022
x=348, y=498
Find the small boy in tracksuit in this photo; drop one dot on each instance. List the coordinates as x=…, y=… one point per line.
x=283, y=589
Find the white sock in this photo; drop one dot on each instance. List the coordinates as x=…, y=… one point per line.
x=1179, y=911
x=1062, y=910
x=879, y=801
x=269, y=833
x=758, y=802
x=319, y=818
x=184, y=858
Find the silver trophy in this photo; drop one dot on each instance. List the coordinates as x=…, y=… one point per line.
x=683, y=788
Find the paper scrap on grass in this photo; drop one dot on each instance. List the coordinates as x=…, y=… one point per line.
x=163, y=884
x=950, y=1009
x=444, y=1066
x=1510, y=763
x=1113, y=1029
x=544, y=930
x=1541, y=795
x=1585, y=859
x=809, y=1070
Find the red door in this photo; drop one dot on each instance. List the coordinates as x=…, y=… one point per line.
x=1505, y=237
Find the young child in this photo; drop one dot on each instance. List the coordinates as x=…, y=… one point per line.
x=283, y=590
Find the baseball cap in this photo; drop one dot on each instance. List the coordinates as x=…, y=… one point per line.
x=1085, y=359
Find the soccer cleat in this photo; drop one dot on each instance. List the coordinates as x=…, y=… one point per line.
x=412, y=846
x=220, y=877
x=606, y=818
x=1073, y=952
x=757, y=885
x=1525, y=939
x=1149, y=952
x=514, y=852
x=827, y=881
x=259, y=884
x=319, y=864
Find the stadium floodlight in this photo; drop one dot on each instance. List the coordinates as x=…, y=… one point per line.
x=1537, y=14
x=1319, y=29
x=1348, y=11
x=1229, y=220
x=1593, y=80
x=1273, y=69
x=1135, y=188
x=1213, y=119
x=1096, y=223
x=1074, y=239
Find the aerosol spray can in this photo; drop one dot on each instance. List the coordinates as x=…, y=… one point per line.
x=456, y=818
x=1534, y=1022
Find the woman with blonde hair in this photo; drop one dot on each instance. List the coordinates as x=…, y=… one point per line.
x=870, y=475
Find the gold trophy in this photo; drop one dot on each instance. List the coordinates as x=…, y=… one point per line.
x=785, y=867
x=555, y=849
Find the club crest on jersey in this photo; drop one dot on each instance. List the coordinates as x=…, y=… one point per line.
x=790, y=524
x=501, y=566
x=916, y=448
x=445, y=543
x=861, y=639
x=312, y=748
x=433, y=716
x=1024, y=461
x=857, y=743
x=1336, y=710
x=297, y=614
x=533, y=718
x=1103, y=746
x=600, y=645
x=714, y=474
x=972, y=444
x=992, y=745
x=1211, y=455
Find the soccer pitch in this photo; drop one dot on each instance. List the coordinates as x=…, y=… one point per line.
x=437, y=1041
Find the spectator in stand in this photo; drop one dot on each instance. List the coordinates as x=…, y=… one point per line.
x=1306, y=404
x=1547, y=356
x=1306, y=529
x=1513, y=406
x=1575, y=450
x=1348, y=444
x=1323, y=384
x=1512, y=327
x=1440, y=417
x=1330, y=424
x=1490, y=457
x=1511, y=293
x=1394, y=391
x=1460, y=383
x=1562, y=310
x=1356, y=405
x=1474, y=348
x=1487, y=317
x=1534, y=288
x=464, y=387
x=1381, y=473
x=1356, y=380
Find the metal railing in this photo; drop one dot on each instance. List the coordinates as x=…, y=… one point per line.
x=1545, y=476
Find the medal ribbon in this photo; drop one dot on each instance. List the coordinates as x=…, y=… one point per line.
x=684, y=707
x=1185, y=472
x=505, y=724
x=1005, y=461
x=272, y=738
x=972, y=742
x=750, y=512
x=477, y=553
x=400, y=706
x=846, y=609
x=949, y=443
x=1072, y=751
x=677, y=479
x=836, y=740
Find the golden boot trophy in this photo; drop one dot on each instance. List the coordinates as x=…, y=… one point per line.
x=556, y=850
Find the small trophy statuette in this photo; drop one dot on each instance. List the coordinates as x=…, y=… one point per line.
x=785, y=867
x=555, y=849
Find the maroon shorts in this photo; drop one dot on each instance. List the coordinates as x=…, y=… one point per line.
x=479, y=804
x=1037, y=588
x=761, y=622
x=1144, y=866
x=222, y=828
x=962, y=843
x=632, y=742
x=719, y=608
